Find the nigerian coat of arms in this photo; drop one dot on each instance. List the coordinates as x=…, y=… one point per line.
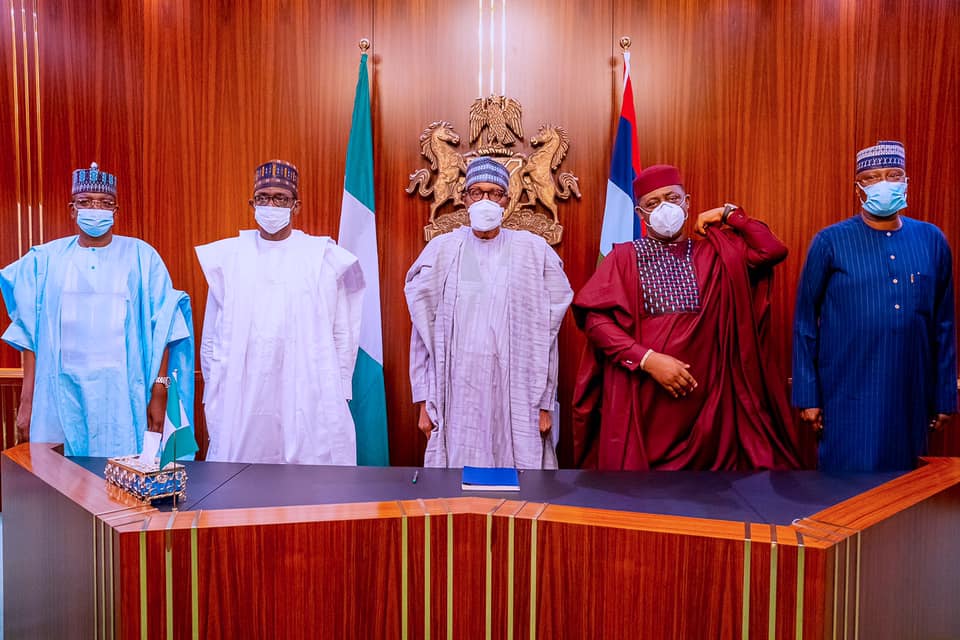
x=536, y=184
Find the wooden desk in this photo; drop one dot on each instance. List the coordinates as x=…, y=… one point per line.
x=80, y=561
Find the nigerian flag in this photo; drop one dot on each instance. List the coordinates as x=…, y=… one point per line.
x=358, y=235
x=178, y=440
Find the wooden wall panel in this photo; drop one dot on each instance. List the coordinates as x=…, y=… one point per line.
x=759, y=103
x=92, y=101
x=229, y=86
x=15, y=56
x=908, y=89
x=9, y=149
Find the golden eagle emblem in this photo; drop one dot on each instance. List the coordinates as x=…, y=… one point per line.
x=499, y=117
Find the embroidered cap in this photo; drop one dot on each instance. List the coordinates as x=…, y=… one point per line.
x=485, y=169
x=93, y=180
x=883, y=155
x=277, y=173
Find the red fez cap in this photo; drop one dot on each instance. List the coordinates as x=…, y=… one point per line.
x=654, y=177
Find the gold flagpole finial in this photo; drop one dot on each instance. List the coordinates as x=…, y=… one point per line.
x=364, y=44
x=625, y=42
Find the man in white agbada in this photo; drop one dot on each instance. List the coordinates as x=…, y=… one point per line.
x=280, y=336
x=486, y=305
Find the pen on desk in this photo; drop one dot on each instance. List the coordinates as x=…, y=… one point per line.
x=416, y=474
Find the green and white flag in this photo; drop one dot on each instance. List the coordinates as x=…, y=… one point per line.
x=178, y=440
x=358, y=235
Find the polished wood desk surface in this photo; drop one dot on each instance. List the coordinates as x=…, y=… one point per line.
x=824, y=506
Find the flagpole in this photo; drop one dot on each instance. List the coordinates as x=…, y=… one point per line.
x=620, y=222
x=175, y=487
x=364, y=44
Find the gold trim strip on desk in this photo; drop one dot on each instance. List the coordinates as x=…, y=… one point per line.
x=449, y=573
x=96, y=571
x=103, y=578
x=533, y=571
x=195, y=577
x=404, y=574
x=846, y=590
x=511, y=532
x=745, y=605
x=856, y=609
x=772, y=611
x=168, y=573
x=801, y=583
x=112, y=616
x=143, y=578
x=426, y=570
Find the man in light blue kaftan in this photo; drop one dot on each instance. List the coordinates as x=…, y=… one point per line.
x=874, y=348
x=101, y=329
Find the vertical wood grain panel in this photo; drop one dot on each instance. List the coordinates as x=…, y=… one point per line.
x=11, y=196
x=638, y=572
x=908, y=89
x=91, y=80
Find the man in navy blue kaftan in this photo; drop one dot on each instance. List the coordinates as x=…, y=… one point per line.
x=874, y=347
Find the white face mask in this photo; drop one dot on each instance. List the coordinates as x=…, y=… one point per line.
x=272, y=219
x=667, y=219
x=485, y=215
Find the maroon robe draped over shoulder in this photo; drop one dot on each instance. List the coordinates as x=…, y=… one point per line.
x=737, y=418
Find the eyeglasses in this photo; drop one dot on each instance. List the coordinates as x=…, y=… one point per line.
x=476, y=193
x=87, y=203
x=891, y=175
x=278, y=200
x=650, y=204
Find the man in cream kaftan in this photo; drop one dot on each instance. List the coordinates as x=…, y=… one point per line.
x=280, y=337
x=486, y=305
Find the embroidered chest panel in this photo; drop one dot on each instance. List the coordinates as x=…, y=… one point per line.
x=666, y=276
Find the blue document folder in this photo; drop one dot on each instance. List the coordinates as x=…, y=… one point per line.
x=490, y=479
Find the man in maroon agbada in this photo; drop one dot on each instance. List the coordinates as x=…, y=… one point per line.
x=680, y=376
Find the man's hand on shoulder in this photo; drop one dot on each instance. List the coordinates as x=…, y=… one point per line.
x=717, y=216
x=707, y=218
